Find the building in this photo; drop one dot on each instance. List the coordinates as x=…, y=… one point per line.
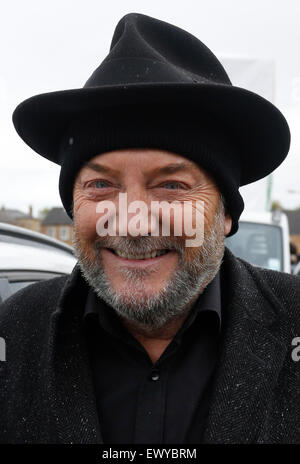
x=57, y=224
x=19, y=218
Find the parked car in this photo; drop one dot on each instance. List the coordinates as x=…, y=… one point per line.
x=27, y=257
x=296, y=269
x=263, y=240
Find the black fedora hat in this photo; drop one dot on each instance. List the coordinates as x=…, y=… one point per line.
x=155, y=63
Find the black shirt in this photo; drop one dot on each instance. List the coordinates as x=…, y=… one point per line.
x=142, y=402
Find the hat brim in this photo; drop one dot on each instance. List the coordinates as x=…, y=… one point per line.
x=260, y=128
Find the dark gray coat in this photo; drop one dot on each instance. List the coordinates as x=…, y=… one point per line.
x=46, y=392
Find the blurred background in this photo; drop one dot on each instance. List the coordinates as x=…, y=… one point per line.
x=56, y=45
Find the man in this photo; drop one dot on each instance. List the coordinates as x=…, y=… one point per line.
x=150, y=340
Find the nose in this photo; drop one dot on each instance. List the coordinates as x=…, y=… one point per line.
x=134, y=213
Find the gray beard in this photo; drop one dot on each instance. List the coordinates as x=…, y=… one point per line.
x=174, y=300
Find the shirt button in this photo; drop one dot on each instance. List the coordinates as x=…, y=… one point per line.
x=154, y=375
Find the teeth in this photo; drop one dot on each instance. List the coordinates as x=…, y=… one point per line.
x=153, y=254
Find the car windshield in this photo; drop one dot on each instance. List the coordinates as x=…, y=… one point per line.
x=259, y=244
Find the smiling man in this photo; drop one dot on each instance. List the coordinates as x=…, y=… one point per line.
x=152, y=293
x=153, y=338
x=151, y=283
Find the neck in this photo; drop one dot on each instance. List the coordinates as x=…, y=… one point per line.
x=167, y=332
x=155, y=341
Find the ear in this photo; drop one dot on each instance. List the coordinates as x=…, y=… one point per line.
x=227, y=224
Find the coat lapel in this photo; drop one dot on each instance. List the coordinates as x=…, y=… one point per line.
x=251, y=357
x=73, y=413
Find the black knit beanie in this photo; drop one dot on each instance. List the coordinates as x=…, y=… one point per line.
x=184, y=131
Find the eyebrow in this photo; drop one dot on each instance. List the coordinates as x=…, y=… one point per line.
x=169, y=169
x=101, y=168
x=175, y=167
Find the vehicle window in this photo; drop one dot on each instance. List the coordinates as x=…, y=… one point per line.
x=15, y=286
x=34, y=243
x=259, y=244
x=12, y=281
x=5, y=290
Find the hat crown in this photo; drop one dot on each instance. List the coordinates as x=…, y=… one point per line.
x=148, y=50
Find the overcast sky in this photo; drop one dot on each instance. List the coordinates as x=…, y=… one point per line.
x=55, y=45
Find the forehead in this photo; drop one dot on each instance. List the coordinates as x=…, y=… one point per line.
x=147, y=160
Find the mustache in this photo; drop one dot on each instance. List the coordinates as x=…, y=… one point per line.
x=140, y=245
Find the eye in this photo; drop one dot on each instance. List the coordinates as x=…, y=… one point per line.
x=172, y=185
x=100, y=184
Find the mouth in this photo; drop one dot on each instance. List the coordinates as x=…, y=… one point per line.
x=138, y=259
x=150, y=255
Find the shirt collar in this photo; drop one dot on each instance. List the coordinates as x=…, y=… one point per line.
x=209, y=300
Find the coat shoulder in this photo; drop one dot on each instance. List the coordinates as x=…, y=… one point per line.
x=280, y=286
x=37, y=298
x=279, y=282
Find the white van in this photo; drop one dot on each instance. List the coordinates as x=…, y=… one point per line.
x=263, y=240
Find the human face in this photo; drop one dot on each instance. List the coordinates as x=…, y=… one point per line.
x=146, y=290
